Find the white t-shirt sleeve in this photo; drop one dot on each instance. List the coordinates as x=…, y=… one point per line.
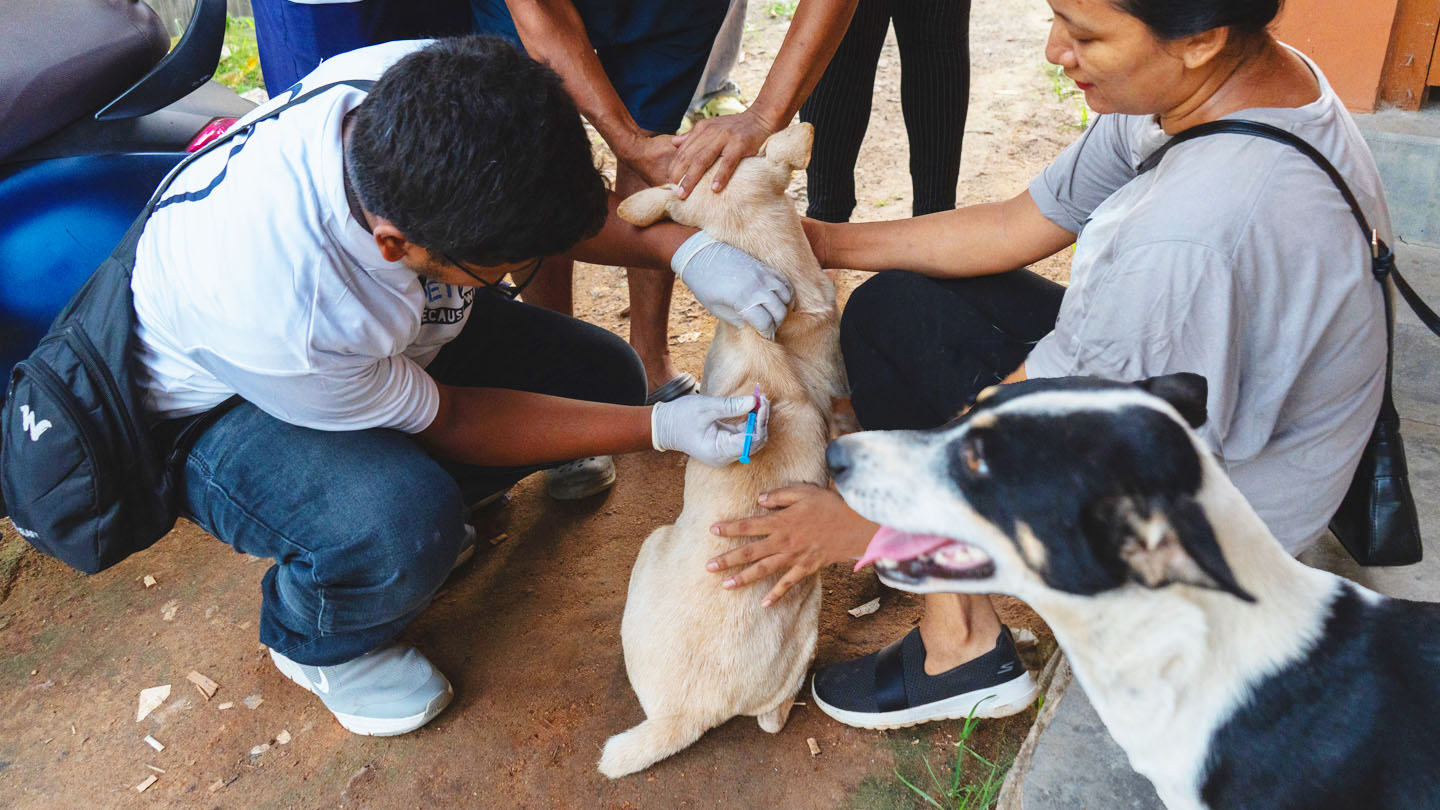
x=391, y=392
x=1157, y=308
x=1084, y=175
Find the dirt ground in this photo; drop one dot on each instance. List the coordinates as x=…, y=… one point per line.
x=528, y=632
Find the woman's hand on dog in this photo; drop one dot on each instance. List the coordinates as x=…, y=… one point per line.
x=809, y=528
x=722, y=142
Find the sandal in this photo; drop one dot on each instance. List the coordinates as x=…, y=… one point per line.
x=681, y=385
x=890, y=689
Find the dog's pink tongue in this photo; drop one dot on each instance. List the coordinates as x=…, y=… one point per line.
x=898, y=545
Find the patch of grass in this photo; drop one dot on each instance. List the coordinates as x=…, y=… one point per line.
x=976, y=790
x=879, y=793
x=781, y=8
x=239, y=67
x=1065, y=90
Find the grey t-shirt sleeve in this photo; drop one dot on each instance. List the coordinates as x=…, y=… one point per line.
x=1158, y=308
x=1085, y=174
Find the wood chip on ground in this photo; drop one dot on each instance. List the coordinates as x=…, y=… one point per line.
x=206, y=686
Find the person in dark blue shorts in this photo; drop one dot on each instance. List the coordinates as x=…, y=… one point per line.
x=294, y=37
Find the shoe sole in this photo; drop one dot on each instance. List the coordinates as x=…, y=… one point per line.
x=372, y=726
x=1004, y=700
x=568, y=494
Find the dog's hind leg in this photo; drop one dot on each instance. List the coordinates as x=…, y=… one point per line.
x=648, y=743
x=774, y=719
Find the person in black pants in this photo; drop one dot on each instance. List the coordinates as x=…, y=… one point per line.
x=918, y=350
x=934, y=39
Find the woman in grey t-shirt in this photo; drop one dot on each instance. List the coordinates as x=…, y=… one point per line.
x=1234, y=258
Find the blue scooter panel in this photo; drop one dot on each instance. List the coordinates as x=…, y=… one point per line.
x=59, y=219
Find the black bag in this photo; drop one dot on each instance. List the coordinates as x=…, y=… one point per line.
x=1376, y=521
x=81, y=473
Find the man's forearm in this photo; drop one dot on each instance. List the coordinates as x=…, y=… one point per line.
x=814, y=34
x=553, y=32
x=623, y=245
x=498, y=427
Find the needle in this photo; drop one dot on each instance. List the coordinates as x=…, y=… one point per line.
x=750, y=427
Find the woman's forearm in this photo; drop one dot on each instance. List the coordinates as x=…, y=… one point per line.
x=975, y=240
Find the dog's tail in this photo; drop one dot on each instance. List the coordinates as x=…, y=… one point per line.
x=648, y=743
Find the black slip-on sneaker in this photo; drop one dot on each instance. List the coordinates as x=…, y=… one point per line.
x=889, y=688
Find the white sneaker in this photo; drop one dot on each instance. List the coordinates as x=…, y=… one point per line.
x=388, y=691
x=580, y=478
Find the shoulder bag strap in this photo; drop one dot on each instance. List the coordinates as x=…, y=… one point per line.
x=1380, y=253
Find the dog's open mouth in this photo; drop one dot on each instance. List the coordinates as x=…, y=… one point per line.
x=910, y=557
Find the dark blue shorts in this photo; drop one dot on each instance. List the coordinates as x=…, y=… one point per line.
x=654, y=51
x=294, y=37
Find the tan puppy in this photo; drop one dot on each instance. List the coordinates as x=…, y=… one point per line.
x=696, y=654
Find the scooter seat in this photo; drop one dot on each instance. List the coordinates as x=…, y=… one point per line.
x=59, y=219
x=64, y=60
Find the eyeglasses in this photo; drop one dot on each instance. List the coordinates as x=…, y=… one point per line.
x=522, y=277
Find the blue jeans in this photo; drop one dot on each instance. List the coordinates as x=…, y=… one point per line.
x=363, y=525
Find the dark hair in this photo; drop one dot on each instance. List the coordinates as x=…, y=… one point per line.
x=1173, y=19
x=475, y=150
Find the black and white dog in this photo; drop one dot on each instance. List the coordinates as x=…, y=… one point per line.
x=1232, y=675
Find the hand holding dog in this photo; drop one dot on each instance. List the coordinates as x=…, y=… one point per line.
x=809, y=528
x=734, y=286
x=723, y=141
x=651, y=156
x=705, y=428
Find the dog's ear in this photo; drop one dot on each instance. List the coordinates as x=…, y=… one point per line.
x=1161, y=540
x=790, y=146
x=1185, y=392
x=646, y=207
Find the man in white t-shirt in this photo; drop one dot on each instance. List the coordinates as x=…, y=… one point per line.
x=337, y=271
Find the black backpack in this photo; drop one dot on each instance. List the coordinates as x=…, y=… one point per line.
x=83, y=476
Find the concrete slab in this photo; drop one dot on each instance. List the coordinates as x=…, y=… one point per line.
x=1406, y=146
x=1076, y=763
x=1417, y=349
x=1078, y=766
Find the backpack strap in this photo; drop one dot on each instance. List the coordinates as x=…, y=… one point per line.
x=125, y=250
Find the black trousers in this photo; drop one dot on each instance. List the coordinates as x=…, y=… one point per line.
x=934, y=40
x=511, y=344
x=918, y=350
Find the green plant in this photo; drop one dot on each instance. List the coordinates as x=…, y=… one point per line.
x=239, y=67
x=978, y=792
x=781, y=8
x=1065, y=90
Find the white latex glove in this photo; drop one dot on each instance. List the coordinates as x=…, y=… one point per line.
x=711, y=429
x=734, y=286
